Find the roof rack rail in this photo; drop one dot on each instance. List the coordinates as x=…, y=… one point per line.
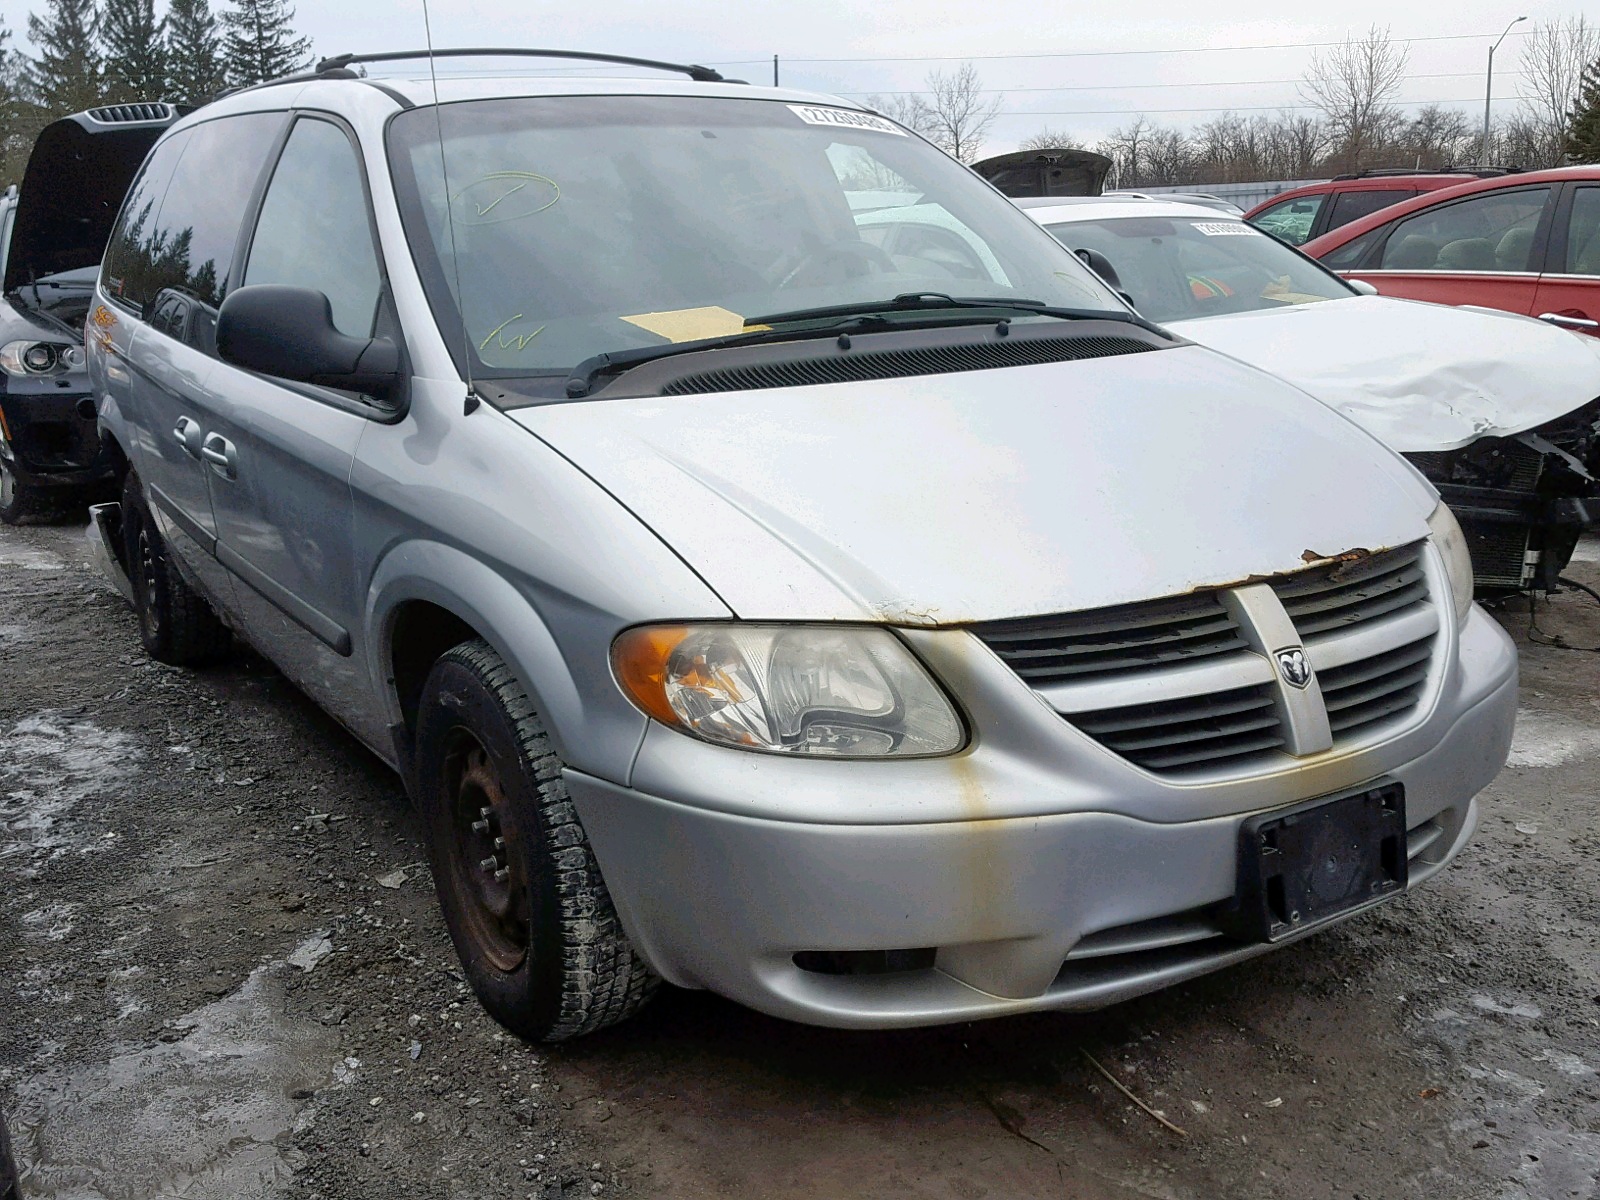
x=697, y=73
x=1381, y=172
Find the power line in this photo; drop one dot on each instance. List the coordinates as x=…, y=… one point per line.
x=1232, y=108
x=1133, y=87
x=1443, y=37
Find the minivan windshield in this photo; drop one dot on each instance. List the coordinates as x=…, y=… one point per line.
x=1176, y=268
x=573, y=226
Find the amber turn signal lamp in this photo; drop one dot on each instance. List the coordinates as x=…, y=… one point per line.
x=639, y=661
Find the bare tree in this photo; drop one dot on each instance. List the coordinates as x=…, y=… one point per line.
x=1436, y=137
x=961, y=114
x=908, y=108
x=1049, y=139
x=1125, y=147
x=1553, y=58
x=1354, y=84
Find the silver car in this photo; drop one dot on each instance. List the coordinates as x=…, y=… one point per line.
x=878, y=634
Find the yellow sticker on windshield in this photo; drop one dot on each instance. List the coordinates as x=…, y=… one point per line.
x=692, y=324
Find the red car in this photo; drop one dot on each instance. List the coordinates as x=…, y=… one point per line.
x=1306, y=213
x=1526, y=243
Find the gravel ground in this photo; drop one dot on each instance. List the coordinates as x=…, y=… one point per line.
x=223, y=974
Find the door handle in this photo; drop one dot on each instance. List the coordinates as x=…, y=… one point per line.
x=219, y=452
x=187, y=432
x=1568, y=321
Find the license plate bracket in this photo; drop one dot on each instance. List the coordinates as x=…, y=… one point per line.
x=1302, y=866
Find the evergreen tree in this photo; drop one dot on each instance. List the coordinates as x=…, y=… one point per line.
x=260, y=42
x=194, y=52
x=135, y=51
x=66, y=77
x=1583, y=132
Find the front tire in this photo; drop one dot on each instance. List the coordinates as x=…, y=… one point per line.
x=527, y=909
x=176, y=624
x=18, y=500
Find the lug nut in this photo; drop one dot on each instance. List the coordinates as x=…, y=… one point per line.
x=503, y=874
x=480, y=827
x=489, y=864
x=499, y=843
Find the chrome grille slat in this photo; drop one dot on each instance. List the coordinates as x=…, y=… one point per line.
x=1173, y=685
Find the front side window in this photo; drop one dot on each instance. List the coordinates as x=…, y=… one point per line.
x=1352, y=206
x=1291, y=220
x=314, y=232
x=581, y=225
x=1583, y=233
x=1489, y=232
x=1176, y=268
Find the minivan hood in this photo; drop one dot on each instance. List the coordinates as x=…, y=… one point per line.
x=952, y=498
x=1417, y=376
x=77, y=175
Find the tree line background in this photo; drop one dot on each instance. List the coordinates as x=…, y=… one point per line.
x=1348, y=121
x=94, y=52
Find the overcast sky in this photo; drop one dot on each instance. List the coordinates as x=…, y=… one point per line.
x=1123, y=54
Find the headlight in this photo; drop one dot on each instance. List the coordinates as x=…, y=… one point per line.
x=1452, y=545
x=843, y=692
x=36, y=358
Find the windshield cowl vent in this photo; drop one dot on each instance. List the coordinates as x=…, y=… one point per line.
x=901, y=363
x=123, y=114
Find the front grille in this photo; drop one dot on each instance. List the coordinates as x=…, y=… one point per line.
x=1107, y=641
x=1170, y=735
x=1345, y=594
x=1173, y=685
x=1373, y=689
x=897, y=364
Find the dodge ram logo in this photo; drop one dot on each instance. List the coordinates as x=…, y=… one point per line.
x=1294, y=668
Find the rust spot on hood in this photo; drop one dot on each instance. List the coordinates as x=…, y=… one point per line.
x=1348, y=556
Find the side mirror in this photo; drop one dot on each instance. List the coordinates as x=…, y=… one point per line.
x=288, y=332
x=1362, y=286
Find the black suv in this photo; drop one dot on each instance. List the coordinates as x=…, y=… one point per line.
x=49, y=450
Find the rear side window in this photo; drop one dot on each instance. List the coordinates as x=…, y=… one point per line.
x=1350, y=206
x=1583, y=233
x=1490, y=232
x=314, y=232
x=128, y=273
x=188, y=243
x=1348, y=256
x=1291, y=220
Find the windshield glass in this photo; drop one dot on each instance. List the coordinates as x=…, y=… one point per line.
x=1176, y=268
x=580, y=225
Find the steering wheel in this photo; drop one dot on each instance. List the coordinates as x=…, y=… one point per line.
x=832, y=263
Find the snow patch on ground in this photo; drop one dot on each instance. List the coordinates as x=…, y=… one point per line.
x=1548, y=740
x=49, y=765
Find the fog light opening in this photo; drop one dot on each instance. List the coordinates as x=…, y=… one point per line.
x=865, y=962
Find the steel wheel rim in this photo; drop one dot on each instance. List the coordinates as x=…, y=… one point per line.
x=488, y=871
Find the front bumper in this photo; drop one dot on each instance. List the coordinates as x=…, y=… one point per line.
x=1108, y=896
x=47, y=441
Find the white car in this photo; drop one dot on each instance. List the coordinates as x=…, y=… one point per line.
x=1498, y=410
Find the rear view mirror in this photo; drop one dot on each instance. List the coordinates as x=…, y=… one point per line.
x=288, y=332
x=1362, y=286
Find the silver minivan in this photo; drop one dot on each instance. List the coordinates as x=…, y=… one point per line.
x=878, y=626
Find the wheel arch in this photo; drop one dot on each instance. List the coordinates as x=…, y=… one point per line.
x=427, y=597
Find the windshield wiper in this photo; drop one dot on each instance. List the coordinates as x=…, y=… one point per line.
x=935, y=301
x=840, y=318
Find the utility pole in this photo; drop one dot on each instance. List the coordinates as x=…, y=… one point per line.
x=774, y=70
x=1488, y=93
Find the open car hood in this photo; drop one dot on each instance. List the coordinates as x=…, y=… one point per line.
x=80, y=170
x=945, y=499
x=1417, y=376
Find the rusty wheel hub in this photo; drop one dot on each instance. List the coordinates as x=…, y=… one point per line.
x=488, y=874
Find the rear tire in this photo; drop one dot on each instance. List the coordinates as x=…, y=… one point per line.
x=527, y=909
x=176, y=624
